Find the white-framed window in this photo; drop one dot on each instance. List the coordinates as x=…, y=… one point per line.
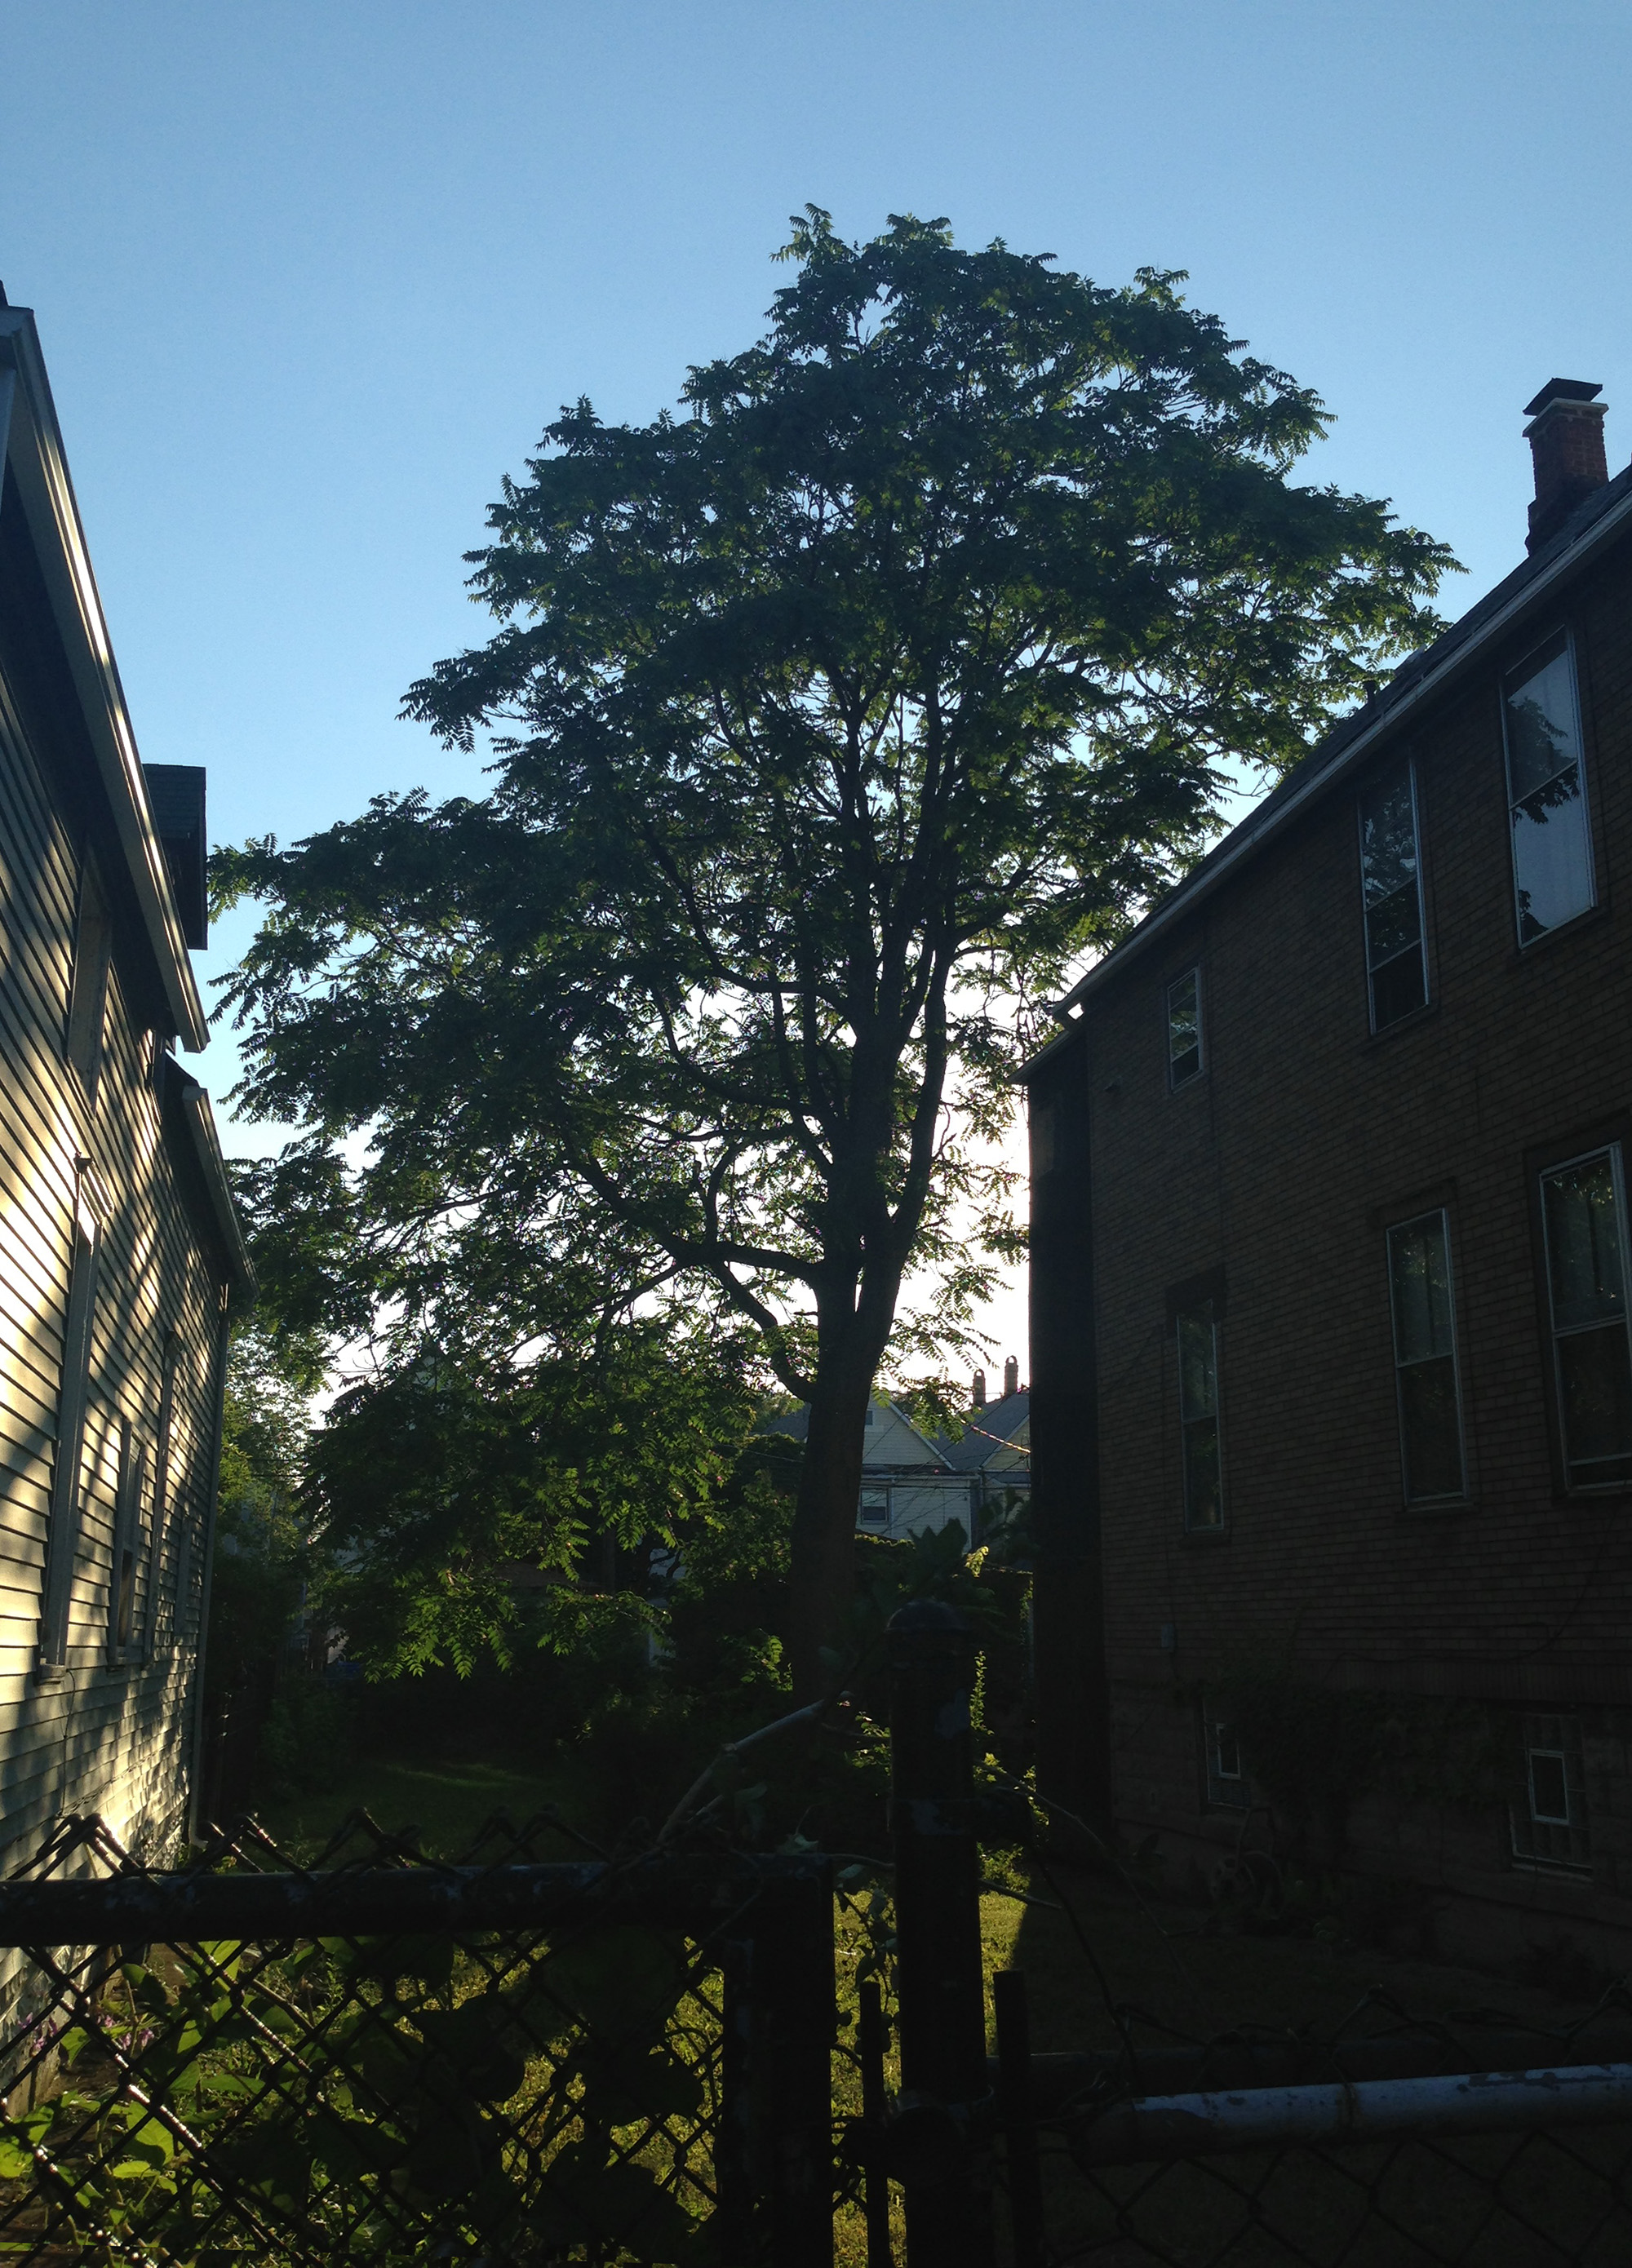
x=1198, y=1417
x=1426, y=1385
x=874, y=1508
x=1547, y=790
x=169, y=1364
x=1548, y=1815
x=1584, y=1220
x=62, y=1533
x=1183, y=1028
x=123, y=1631
x=1227, y=1780
x=1391, y=881
x=87, y=994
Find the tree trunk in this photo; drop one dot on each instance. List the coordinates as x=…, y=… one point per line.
x=825, y=1518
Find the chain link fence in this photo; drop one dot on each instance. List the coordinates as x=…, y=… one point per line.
x=385, y=2058
x=1388, y=2145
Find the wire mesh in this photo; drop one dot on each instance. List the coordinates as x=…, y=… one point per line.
x=1531, y=2199
x=556, y=2093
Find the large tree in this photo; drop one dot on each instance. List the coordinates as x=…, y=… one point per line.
x=831, y=719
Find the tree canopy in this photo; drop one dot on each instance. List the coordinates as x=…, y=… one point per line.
x=832, y=719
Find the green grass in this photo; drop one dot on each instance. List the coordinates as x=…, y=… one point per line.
x=446, y=1801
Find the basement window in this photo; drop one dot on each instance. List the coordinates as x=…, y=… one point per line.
x=1183, y=1028
x=1390, y=886
x=1549, y=1812
x=1226, y=1778
x=1584, y=1222
x=1547, y=795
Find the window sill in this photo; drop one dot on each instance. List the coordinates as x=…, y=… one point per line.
x=50, y=1673
x=1411, y=1022
x=1439, y=1507
x=1524, y=956
x=1556, y=1870
x=1206, y=1538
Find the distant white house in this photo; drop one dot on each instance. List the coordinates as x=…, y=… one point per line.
x=911, y=1480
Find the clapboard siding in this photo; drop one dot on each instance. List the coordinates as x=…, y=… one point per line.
x=108, y=1734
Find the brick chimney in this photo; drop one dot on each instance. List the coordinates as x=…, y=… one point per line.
x=1566, y=438
x=981, y=1390
x=1011, y=1376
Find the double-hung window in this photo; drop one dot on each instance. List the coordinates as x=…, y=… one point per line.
x=1183, y=1028
x=1425, y=1357
x=1392, y=889
x=876, y=1508
x=62, y=1536
x=1547, y=792
x=87, y=998
x=1584, y=1220
x=1198, y=1417
x=123, y=1629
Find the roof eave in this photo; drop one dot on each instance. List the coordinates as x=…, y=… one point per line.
x=199, y=1119
x=33, y=446
x=1256, y=829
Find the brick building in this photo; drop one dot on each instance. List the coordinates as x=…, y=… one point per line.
x=1331, y=1391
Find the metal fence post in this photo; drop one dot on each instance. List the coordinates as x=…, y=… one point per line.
x=947, y=2171
x=794, y=1987
x=1013, y=2057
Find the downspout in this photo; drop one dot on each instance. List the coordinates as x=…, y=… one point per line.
x=194, y=1794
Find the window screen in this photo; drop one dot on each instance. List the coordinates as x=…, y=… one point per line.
x=1198, y=1419
x=1184, y=1027
x=1584, y=1219
x=1425, y=1361
x=1547, y=799
x=1391, y=882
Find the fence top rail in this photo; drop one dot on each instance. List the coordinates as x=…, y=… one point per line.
x=1406, y=2052
x=698, y=1895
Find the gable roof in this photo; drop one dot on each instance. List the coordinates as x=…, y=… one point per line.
x=896, y=1432
x=986, y=1431
x=32, y=458
x=1597, y=522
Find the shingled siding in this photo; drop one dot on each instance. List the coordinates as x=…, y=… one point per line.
x=1272, y=1178
x=113, y=1736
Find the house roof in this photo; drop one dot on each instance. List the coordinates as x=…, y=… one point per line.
x=986, y=1431
x=31, y=449
x=1597, y=521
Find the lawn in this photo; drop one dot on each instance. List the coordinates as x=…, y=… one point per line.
x=445, y=1801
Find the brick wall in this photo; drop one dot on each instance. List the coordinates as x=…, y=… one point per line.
x=1281, y=1164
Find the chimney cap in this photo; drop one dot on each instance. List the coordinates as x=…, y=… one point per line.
x=1562, y=389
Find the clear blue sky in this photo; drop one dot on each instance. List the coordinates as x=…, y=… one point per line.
x=311, y=276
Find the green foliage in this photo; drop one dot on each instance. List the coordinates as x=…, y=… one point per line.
x=384, y=2098
x=439, y=1482
x=830, y=719
x=263, y=1560
x=306, y=1740
x=1314, y=1751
